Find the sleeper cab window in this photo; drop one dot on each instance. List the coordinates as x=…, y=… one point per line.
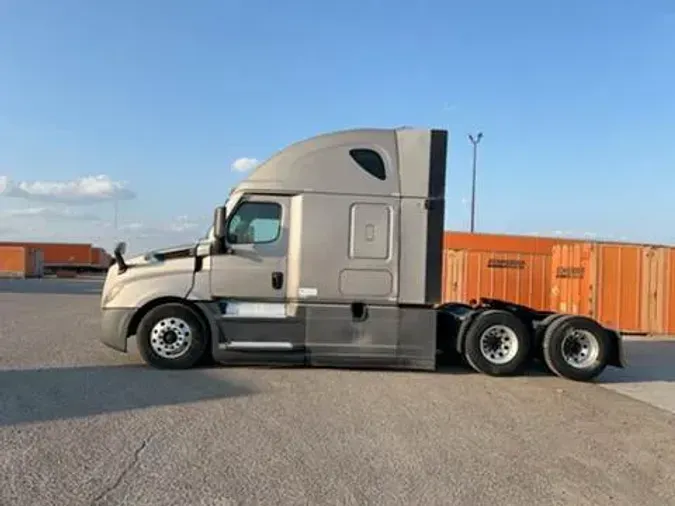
x=255, y=223
x=370, y=161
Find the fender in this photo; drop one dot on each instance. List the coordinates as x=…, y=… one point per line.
x=467, y=321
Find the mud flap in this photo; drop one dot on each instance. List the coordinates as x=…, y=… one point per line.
x=618, y=356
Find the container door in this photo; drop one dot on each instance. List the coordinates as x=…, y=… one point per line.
x=654, y=288
x=573, y=274
x=618, y=283
x=454, y=273
x=40, y=263
x=33, y=262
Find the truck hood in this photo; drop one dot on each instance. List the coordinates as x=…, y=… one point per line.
x=160, y=255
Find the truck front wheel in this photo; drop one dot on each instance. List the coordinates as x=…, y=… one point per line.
x=171, y=336
x=576, y=348
x=497, y=343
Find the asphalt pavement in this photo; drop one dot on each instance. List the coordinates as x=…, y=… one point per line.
x=84, y=425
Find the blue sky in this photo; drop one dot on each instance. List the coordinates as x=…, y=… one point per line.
x=576, y=100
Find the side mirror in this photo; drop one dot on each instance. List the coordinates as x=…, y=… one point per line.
x=121, y=248
x=118, y=253
x=219, y=218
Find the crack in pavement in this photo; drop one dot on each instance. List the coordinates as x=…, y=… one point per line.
x=136, y=457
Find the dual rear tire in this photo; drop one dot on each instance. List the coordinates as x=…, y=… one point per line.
x=498, y=343
x=576, y=348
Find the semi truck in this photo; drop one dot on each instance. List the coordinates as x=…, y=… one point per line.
x=330, y=254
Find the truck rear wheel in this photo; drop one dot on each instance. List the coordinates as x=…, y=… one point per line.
x=539, y=332
x=576, y=348
x=497, y=343
x=171, y=336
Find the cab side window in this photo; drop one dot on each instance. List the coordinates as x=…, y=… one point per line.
x=255, y=223
x=370, y=161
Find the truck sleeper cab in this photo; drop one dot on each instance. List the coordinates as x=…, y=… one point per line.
x=329, y=253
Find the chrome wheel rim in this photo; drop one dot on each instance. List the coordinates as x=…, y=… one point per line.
x=580, y=348
x=499, y=344
x=171, y=338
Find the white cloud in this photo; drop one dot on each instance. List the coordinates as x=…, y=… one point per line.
x=85, y=190
x=49, y=214
x=182, y=224
x=179, y=225
x=244, y=164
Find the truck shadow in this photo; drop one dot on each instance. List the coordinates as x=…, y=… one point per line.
x=534, y=368
x=649, y=360
x=52, y=286
x=39, y=395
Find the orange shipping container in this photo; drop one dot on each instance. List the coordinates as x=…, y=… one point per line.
x=522, y=278
x=623, y=286
x=100, y=257
x=15, y=262
x=97, y=256
x=60, y=253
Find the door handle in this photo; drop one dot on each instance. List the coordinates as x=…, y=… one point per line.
x=277, y=280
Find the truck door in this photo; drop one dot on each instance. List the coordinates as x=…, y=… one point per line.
x=254, y=268
x=250, y=281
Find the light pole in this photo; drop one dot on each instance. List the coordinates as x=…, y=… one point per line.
x=475, y=141
x=116, y=211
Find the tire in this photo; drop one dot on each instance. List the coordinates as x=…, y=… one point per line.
x=171, y=336
x=576, y=348
x=539, y=332
x=512, y=346
x=464, y=328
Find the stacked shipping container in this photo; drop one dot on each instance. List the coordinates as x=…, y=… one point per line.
x=60, y=253
x=79, y=257
x=625, y=286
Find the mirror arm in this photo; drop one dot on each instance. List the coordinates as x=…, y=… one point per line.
x=118, y=252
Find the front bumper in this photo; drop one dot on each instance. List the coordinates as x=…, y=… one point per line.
x=114, y=327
